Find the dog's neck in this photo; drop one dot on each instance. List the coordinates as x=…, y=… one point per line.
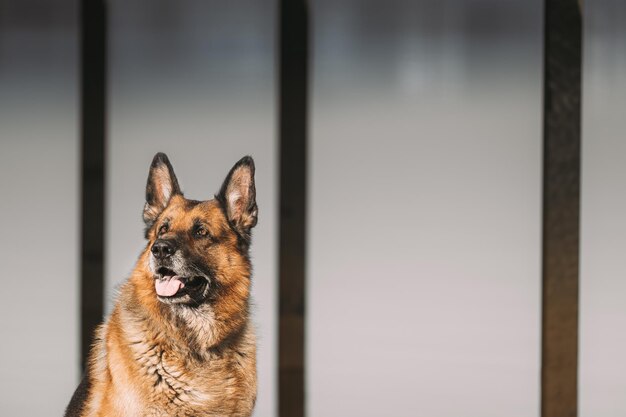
x=202, y=331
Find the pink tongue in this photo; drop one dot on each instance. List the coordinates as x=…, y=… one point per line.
x=168, y=286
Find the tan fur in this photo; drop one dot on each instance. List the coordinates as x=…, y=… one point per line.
x=153, y=359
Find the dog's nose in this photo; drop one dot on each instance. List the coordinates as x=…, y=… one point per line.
x=163, y=249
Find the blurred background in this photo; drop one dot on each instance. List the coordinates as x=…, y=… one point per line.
x=423, y=192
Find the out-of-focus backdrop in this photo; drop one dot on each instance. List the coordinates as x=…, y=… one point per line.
x=424, y=192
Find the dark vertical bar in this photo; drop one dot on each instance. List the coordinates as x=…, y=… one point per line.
x=93, y=126
x=561, y=207
x=293, y=90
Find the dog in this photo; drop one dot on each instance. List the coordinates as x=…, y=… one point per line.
x=179, y=341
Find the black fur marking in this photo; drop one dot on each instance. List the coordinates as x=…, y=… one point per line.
x=189, y=204
x=79, y=399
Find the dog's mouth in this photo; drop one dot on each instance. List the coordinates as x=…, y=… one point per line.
x=170, y=285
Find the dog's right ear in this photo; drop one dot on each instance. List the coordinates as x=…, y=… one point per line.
x=162, y=185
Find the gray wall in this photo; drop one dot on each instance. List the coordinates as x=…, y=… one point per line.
x=39, y=170
x=425, y=209
x=602, y=379
x=194, y=79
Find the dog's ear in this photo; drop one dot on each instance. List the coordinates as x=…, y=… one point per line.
x=238, y=196
x=162, y=185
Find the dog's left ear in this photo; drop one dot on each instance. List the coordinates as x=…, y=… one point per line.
x=162, y=185
x=238, y=196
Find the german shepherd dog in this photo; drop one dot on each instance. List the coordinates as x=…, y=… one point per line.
x=179, y=341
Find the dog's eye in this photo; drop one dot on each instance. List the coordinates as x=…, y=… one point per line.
x=163, y=229
x=202, y=232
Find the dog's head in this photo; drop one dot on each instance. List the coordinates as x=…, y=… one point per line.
x=198, y=249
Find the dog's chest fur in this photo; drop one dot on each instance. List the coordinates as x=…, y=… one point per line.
x=193, y=385
x=149, y=374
